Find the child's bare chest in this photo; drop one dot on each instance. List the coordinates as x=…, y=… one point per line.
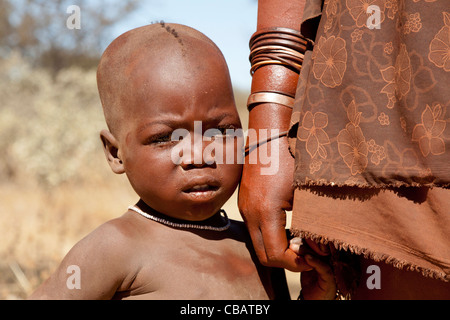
x=198, y=268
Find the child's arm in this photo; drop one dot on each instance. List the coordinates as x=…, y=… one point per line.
x=94, y=268
x=319, y=283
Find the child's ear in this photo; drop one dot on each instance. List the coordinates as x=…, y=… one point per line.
x=111, y=149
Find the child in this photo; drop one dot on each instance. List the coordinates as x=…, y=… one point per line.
x=175, y=243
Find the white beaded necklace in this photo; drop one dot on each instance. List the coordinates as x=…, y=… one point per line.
x=183, y=225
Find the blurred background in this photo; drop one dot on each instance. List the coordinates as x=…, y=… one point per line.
x=55, y=185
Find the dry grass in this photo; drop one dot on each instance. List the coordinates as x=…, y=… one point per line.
x=39, y=226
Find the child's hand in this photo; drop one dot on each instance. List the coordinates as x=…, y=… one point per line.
x=319, y=283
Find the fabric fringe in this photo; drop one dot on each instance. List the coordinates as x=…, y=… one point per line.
x=398, y=184
x=378, y=257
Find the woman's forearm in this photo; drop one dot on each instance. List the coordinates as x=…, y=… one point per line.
x=275, y=78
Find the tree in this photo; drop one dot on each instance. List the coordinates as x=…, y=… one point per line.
x=37, y=29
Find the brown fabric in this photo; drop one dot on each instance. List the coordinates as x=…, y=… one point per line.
x=370, y=130
x=409, y=231
x=373, y=105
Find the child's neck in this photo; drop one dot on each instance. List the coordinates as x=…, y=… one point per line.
x=217, y=222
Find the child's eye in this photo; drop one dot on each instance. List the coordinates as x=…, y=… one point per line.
x=159, y=139
x=221, y=131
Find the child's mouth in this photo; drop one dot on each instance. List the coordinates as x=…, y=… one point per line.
x=201, y=188
x=201, y=191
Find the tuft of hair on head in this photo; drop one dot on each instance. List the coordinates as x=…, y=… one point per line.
x=171, y=31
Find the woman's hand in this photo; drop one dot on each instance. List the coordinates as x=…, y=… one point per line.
x=263, y=200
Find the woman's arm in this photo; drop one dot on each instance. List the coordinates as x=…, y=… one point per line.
x=263, y=199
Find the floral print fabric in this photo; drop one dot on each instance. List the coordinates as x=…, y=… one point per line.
x=373, y=103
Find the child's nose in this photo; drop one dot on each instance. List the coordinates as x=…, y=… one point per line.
x=199, y=155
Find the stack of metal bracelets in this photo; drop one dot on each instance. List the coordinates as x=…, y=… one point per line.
x=275, y=46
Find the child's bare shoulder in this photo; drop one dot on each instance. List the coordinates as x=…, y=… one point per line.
x=123, y=228
x=116, y=234
x=104, y=259
x=110, y=239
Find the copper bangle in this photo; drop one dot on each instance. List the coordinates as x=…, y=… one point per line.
x=279, y=49
x=280, y=42
x=268, y=36
x=269, y=97
x=272, y=59
x=269, y=59
x=263, y=63
x=275, y=55
x=279, y=30
x=280, y=58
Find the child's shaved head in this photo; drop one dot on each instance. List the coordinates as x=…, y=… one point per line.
x=155, y=82
x=124, y=68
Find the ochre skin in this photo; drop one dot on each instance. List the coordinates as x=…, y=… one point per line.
x=152, y=81
x=263, y=199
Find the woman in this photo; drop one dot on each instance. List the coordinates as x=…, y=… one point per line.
x=361, y=98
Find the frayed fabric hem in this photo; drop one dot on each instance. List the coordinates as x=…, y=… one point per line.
x=368, y=254
x=308, y=183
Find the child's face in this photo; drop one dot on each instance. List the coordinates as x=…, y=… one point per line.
x=179, y=94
